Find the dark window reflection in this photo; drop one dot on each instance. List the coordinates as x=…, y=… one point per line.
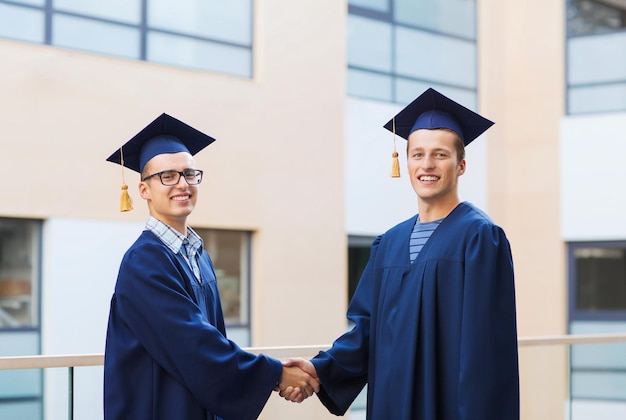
x=358, y=255
x=600, y=279
x=586, y=17
x=19, y=271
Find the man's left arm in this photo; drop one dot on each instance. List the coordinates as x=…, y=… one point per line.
x=489, y=373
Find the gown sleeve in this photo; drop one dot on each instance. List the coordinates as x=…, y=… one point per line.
x=155, y=306
x=489, y=376
x=343, y=368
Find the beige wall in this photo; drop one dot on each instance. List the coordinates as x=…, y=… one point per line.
x=276, y=167
x=521, y=86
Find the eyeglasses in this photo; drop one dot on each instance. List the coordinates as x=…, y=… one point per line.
x=170, y=178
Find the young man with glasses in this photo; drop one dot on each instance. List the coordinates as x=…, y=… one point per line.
x=167, y=355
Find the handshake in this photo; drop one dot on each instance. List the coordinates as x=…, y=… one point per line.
x=298, y=381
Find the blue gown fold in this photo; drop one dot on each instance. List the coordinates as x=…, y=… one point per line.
x=167, y=356
x=435, y=339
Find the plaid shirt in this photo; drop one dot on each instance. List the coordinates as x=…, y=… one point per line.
x=189, y=247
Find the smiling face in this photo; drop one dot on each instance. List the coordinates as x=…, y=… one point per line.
x=169, y=204
x=434, y=167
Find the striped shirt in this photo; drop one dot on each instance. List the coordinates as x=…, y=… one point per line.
x=419, y=236
x=189, y=247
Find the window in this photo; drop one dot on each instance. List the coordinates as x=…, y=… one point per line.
x=20, y=243
x=230, y=252
x=586, y=17
x=388, y=41
x=597, y=281
x=596, y=56
x=19, y=273
x=211, y=35
x=597, y=301
x=358, y=255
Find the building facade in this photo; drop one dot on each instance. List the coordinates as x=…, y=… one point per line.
x=297, y=183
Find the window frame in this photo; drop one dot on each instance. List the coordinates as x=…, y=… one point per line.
x=245, y=275
x=394, y=76
x=572, y=88
x=35, y=276
x=143, y=29
x=354, y=270
x=576, y=314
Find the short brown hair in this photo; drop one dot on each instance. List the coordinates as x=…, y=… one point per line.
x=460, y=147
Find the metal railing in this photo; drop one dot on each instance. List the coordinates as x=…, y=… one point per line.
x=82, y=360
x=285, y=352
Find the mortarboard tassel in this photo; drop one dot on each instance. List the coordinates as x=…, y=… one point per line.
x=126, y=203
x=395, y=164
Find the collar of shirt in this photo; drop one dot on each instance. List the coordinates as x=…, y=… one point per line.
x=174, y=239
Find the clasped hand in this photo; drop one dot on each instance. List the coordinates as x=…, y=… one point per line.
x=299, y=380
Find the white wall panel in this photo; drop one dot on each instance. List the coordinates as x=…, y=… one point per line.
x=81, y=261
x=593, y=172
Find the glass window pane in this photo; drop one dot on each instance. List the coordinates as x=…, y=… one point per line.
x=128, y=11
x=229, y=21
x=369, y=85
x=591, y=17
x=203, y=55
x=20, y=383
x=229, y=251
x=21, y=23
x=94, y=36
x=408, y=90
x=239, y=334
x=600, y=279
x=599, y=356
x=599, y=385
x=604, y=98
x=596, y=59
x=428, y=56
x=20, y=342
x=455, y=17
x=21, y=410
x=33, y=2
x=369, y=43
x=378, y=5
x=19, y=268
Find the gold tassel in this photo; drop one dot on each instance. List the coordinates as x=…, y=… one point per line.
x=126, y=203
x=395, y=164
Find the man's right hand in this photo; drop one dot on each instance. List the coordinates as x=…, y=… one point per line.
x=299, y=380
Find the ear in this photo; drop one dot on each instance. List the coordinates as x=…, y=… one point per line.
x=461, y=167
x=144, y=190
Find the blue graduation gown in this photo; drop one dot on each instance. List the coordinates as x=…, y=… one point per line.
x=434, y=339
x=167, y=356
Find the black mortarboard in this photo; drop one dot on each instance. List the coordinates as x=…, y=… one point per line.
x=432, y=110
x=165, y=134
